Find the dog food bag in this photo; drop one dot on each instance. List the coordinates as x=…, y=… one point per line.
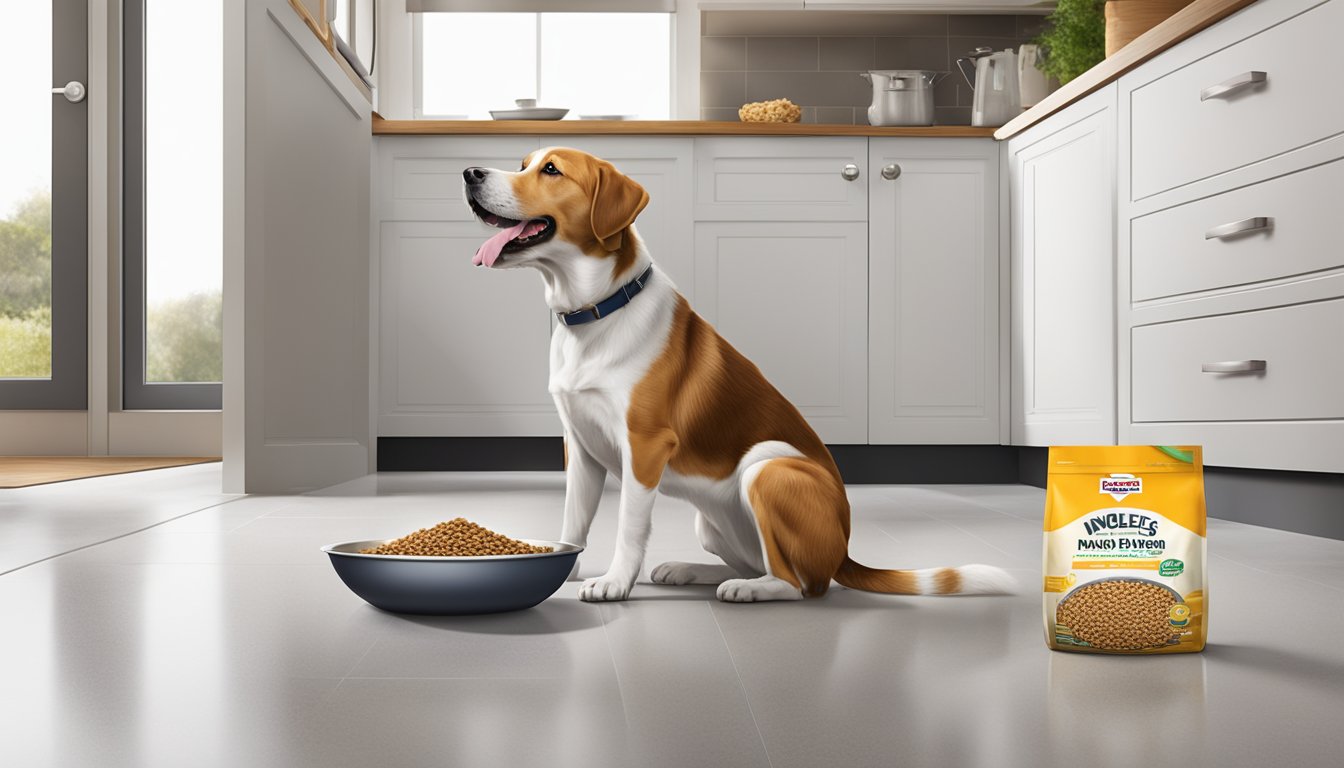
x=1125, y=550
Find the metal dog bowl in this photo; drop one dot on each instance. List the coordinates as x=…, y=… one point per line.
x=443, y=586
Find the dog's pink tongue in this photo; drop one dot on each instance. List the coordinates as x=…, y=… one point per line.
x=488, y=253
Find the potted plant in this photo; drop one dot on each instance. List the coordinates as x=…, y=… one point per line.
x=1075, y=41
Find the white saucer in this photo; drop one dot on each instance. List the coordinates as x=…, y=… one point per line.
x=529, y=113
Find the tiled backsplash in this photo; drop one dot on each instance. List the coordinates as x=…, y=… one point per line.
x=759, y=55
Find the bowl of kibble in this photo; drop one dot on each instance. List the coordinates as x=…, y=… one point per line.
x=453, y=568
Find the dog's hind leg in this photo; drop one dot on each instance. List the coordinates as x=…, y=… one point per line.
x=802, y=513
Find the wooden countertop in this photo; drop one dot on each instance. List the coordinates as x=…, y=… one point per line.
x=1182, y=24
x=383, y=127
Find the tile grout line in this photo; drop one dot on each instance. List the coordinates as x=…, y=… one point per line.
x=611, y=651
x=119, y=536
x=740, y=684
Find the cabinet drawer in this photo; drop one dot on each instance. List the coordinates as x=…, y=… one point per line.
x=780, y=179
x=1303, y=366
x=1173, y=253
x=1180, y=137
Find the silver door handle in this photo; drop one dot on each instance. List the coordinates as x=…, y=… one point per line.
x=890, y=172
x=74, y=91
x=850, y=172
x=1228, y=86
x=1253, y=224
x=1234, y=366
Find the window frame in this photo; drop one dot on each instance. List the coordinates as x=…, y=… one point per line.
x=67, y=389
x=417, y=65
x=138, y=394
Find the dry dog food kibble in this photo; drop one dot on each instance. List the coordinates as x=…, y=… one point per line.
x=458, y=537
x=1125, y=549
x=1119, y=614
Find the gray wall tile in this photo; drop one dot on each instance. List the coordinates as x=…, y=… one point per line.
x=1030, y=26
x=987, y=26
x=816, y=89
x=912, y=53
x=847, y=53
x=722, y=89
x=718, y=113
x=836, y=115
x=951, y=115
x=723, y=53
x=782, y=54
x=813, y=58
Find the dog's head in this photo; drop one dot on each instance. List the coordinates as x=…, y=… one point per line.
x=561, y=204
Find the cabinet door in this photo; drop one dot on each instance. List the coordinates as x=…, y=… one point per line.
x=663, y=167
x=420, y=177
x=792, y=297
x=934, y=291
x=777, y=178
x=463, y=351
x=1062, y=179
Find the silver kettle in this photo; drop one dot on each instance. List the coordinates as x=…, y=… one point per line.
x=994, y=78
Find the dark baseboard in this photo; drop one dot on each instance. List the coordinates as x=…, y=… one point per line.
x=470, y=454
x=1301, y=502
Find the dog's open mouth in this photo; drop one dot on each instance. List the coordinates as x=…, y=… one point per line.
x=515, y=235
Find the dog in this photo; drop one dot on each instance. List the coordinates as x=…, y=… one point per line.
x=649, y=392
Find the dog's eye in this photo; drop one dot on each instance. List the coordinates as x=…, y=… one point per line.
x=551, y=170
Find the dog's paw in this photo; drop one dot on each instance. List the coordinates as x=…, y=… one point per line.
x=677, y=573
x=757, y=590
x=603, y=589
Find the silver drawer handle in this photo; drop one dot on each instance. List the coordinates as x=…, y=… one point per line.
x=1234, y=366
x=850, y=172
x=1228, y=86
x=890, y=172
x=1253, y=224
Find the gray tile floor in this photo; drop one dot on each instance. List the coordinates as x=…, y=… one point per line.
x=219, y=636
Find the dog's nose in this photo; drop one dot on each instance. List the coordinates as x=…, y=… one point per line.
x=474, y=175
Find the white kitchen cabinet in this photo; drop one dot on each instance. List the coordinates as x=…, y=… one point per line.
x=792, y=297
x=1263, y=302
x=1062, y=202
x=464, y=351
x=781, y=254
x=933, y=291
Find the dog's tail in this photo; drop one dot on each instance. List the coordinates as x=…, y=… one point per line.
x=965, y=580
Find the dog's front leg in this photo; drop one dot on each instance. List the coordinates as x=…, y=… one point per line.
x=632, y=537
x=583, y=492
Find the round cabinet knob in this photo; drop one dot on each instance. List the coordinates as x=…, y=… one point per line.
x=851, y=172
x=890, y=172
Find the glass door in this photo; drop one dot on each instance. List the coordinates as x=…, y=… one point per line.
x=44, y=206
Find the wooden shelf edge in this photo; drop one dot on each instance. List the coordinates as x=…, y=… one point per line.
x=383, y=127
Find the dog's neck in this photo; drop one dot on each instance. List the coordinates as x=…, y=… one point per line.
x=582, y=281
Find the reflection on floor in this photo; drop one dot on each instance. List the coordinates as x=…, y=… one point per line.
x=217, y=635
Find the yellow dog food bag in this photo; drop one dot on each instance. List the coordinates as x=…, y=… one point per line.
x=1125, y=550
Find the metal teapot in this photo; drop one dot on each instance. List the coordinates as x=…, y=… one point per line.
x=901, y=96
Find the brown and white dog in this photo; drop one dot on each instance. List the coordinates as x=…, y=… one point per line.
x=652, y=394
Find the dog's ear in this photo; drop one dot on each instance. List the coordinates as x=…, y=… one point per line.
x=617, y=200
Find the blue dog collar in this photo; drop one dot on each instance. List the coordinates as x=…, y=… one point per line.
x=608, y=305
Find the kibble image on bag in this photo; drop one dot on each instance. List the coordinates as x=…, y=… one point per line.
x=1125, y=550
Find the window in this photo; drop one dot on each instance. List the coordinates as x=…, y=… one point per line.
x=471, y=63
x=44, y=207
x=173, y=165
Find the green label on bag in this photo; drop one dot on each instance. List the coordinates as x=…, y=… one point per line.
x=1172, y=567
